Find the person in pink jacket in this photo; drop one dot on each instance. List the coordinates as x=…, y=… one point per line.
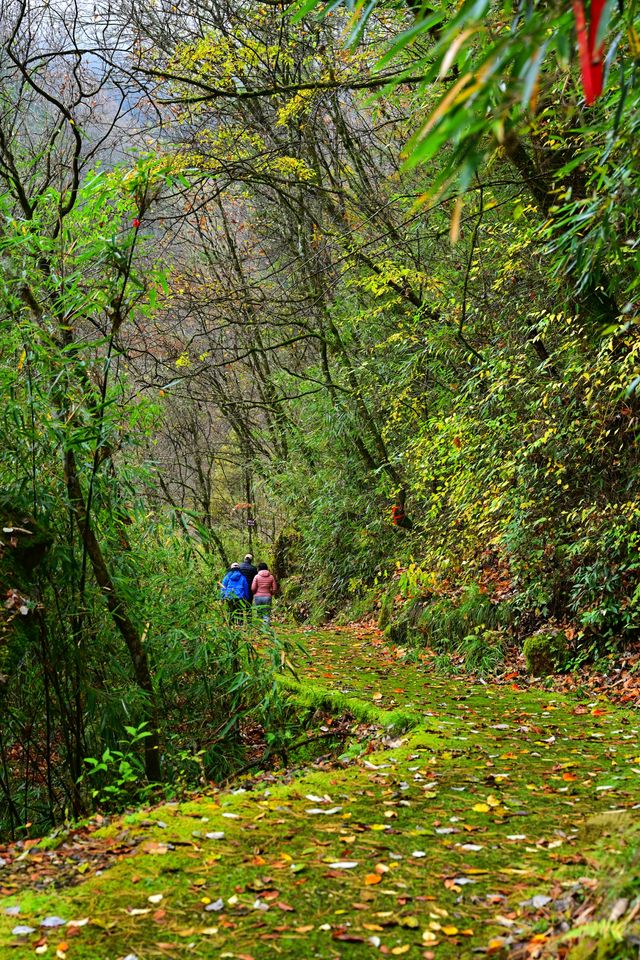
x=264, y=589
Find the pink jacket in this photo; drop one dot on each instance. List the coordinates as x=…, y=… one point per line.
x=264, y=584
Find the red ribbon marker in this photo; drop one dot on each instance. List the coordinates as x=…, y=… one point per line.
x=591, y=65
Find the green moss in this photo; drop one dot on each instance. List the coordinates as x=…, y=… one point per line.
x=319, y=698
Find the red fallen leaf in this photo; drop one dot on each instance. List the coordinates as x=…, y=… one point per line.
x=244, y=956
x=569, y=776
x=598, y=712
x=159, y=915
x=285, y=906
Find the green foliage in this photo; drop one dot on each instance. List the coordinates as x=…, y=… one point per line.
x=494, y=72
x=545, y=652
x=445, y=622
x=483, y=652
x=116, y=777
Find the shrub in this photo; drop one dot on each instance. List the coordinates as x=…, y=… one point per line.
x=545, y=652
x=445, y=622
x=483, y=652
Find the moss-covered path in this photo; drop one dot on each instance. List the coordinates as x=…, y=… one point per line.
x=428, y=841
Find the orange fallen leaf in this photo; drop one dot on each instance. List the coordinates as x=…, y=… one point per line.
x=372, y=878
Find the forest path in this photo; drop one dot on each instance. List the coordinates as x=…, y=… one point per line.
x=427, y=842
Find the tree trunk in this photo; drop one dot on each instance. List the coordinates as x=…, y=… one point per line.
x=119, y=614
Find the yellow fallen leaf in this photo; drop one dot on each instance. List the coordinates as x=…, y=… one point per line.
x=481, y=807
x=377, y=696
x=373, y=927
x=396, y=951
x=493, y=801
x=428, y=937
x=381, y=868
x=467, y=933
x=450, y=931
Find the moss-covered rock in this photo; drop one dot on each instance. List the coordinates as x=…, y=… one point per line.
x=545, y=652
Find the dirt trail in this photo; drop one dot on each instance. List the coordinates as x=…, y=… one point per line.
x=430, y=839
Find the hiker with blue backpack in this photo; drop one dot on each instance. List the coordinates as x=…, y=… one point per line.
x=235, y=592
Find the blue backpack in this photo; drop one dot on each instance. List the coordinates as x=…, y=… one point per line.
x=234, y=585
